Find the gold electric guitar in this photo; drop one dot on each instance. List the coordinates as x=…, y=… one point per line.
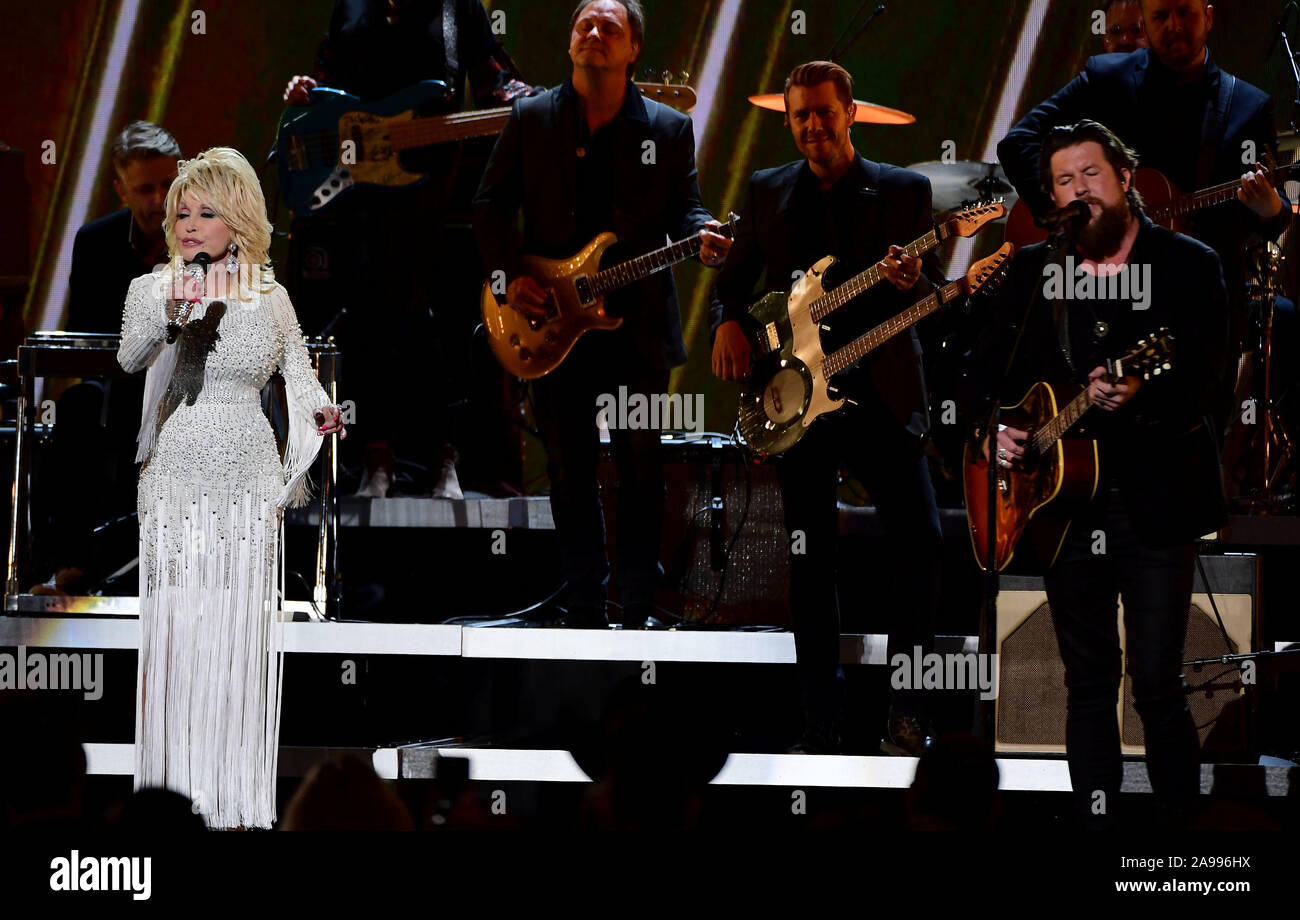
x=532, y=346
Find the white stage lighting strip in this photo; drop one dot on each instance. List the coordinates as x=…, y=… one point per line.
x=542, y=643
x=837, y=771
x=317, y=638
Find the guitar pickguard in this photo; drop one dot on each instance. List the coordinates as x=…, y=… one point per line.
x=806, y=339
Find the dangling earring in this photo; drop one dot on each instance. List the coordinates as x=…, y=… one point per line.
x=232, y=265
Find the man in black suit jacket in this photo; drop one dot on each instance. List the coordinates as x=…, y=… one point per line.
x=595, y=155
x=1159, y=485
x=91, y=462
x=1186, y=117
x=834, y=202
x=110, y=252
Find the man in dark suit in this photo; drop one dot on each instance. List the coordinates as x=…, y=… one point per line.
x=390, y=254
x=1196, y=123
x=594, y=155
x=110, y=252
x=89, y=471
x=835, y=202
x=1159, y=485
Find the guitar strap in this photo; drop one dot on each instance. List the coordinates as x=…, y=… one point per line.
x=1212, y=131
x=450, y=44
x=1061, y=315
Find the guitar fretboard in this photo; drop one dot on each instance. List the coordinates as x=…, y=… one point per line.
x=634, y=270
x=422, y=132
x=1063, y=421
x=1215, y=194
x=830, y=302
x=868, y=342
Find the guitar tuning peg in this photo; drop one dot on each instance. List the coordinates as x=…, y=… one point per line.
x=668, y=77
x=684, y=76
x=1167, y=366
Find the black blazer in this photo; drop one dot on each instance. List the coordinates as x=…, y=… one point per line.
x=1123, y=92
x=1161, y=446
x=893, y=206
x=104, y=264
x=533, y=169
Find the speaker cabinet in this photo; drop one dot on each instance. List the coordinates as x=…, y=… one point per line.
x=724, y=553
x=1031, y=703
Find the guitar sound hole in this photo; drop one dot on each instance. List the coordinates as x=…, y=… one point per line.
x=783, y=397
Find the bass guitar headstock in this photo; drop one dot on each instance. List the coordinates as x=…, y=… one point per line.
x=985, y=275
x=968, y=221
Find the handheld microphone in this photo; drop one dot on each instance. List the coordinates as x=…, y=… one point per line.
x=197, y=269
x=1074, y=216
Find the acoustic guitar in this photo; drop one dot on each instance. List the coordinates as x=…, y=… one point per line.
x=1058, y=474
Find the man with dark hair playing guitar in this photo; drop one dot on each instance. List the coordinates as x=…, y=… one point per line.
x=1192, y=121
x=835, y=202
x=1154, y=486
x=594, y=156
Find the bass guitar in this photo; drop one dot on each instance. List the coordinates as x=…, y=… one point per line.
x=341, y=141
x=1057, y=474
x=789, y=389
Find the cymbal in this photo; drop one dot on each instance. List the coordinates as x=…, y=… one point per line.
x=964, y=182
x=867, y=112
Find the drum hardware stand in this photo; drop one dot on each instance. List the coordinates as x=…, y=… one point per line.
x=1273, y=441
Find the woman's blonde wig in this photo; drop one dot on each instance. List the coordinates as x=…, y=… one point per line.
x=222, y=178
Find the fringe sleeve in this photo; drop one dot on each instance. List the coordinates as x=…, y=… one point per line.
x=144, y=344
x=304, y=395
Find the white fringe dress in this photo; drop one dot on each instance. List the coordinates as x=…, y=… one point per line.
x=211, y=492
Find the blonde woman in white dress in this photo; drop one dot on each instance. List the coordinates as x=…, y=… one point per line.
x=211, y=493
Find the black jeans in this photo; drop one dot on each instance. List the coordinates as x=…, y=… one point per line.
x=889, y=462
x=566, y=405
x=1156, y=587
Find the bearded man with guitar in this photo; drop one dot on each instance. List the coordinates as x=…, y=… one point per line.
x=1195, y=123
x=835, y=202
x=589, y=157
x=1156, y=485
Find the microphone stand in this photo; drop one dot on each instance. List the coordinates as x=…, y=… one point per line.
x=1290, y=59
x=841, y=47
x=1058, y=241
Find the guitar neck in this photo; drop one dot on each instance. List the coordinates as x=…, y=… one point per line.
x=1208, y=197
x=1043, y=439
x=441, y=129
x=634, y=270
x=832, y=301
x=869, y=341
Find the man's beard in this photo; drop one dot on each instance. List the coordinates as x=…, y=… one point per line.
x=1104, y=233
